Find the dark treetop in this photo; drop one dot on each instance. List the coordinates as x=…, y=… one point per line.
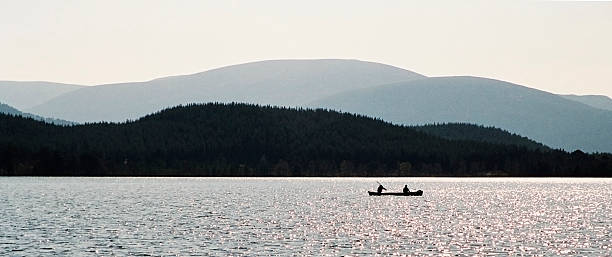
x=250, y=140
x=465, y=131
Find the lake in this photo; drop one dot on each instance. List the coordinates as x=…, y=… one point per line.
x=304, y=216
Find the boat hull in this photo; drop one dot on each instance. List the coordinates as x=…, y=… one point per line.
x=416, y=193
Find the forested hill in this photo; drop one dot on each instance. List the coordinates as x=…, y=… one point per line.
x=248, y=140
x=465, y=131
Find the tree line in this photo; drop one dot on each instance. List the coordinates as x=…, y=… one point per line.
x=250, y=140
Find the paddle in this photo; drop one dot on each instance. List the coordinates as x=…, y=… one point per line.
x=380, y=185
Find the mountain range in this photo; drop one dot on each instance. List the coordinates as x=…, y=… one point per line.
x=541, y=116
x=598, y=101
x=27, y=94
x=283, y=83
x=377, y=90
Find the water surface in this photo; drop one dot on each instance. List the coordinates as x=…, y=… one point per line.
x=304, y=216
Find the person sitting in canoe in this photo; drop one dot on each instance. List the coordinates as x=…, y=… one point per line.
x=380, y=188
x=406, y=190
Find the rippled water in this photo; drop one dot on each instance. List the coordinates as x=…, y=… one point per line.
x=335, y=216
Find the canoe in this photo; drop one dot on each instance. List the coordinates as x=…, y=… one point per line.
x=416, y=193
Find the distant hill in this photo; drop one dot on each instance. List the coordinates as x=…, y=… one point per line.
x=6, y=109
x=463, y=131
x=26, y=94
x=372, y=89
x=541, y=116
x=597, y=101
x=247, y=140
x=281, y=82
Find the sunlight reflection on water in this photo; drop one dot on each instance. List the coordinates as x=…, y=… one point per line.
x=304, y=216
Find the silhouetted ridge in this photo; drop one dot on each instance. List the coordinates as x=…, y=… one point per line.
x=465, y=131
x=249, y=140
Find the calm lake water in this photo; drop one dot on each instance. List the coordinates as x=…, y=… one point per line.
x=309, y=216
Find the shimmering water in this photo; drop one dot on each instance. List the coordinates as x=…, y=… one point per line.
x=246, y=216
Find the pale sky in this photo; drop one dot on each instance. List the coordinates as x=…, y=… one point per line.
x=557, y=46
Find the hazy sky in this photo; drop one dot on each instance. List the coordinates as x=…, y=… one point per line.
x=561, y=47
